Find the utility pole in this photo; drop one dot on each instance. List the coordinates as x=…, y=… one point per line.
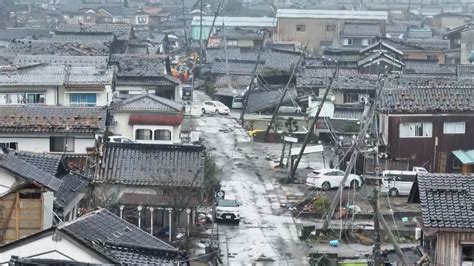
x=212, y=26
x=249, y=90
x=225, y=47
x=184, y=24
x=275, y=113
x=375, y=205
x=200, y=37
x=313, y=123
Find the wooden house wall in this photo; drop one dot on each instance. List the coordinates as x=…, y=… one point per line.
x=19, y=215
x=448, y=247
x=422, y=151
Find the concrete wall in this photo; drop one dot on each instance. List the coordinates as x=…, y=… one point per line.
x=62, y=247
x=41, y=144
x=121, y=127
x=316, y=30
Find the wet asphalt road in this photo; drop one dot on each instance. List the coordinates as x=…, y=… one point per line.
x=267, y=233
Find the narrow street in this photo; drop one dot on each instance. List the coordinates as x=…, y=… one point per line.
x=267, y=232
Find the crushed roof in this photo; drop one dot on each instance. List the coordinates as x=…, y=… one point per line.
x=148, y=103
x=119, y=240
x=265, y=98
x=48, y=46
x=447, y=200
x=47, y=119
x=152, y=164
x=120, y=31
x=138, y=64
x=72, y=184
x=30, y=172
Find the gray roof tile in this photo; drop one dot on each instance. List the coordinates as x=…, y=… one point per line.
x=118, y=240
x=45, y=118
x=45, y=161
x=148, y=103
x=121, y=31
x=81, y=61
x=28, y=171
x=447, y=201
x=361, y=30
x=263, y=99
x=428, y=100
x=72, y=184
x=151, y=164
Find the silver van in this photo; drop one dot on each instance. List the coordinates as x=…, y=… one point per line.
x=397, y=182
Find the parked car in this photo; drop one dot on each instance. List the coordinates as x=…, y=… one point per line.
x=326, y=179
x=227, y=210
x=120, y=139
x=397, y=183
x=216, y=107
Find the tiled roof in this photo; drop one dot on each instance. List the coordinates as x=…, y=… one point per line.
x=219, y=54
x=121, y=31
x=151, y=164
x=148, y=103
x=318, y=76
x=89, y=75
x=47, y=119
x=356, y=82
x=428, y=100
x=428, y=67
x=57, y=48
x=72, y=184
x=233, y=67
x=38, y=75
x=28, y=171
x=164, y=80
x=348, y=113
x=47, y=162
x=138, y=65
x=119, y=240
x=465, y=71
x=280, y=59
x=81, y=61
x=84, y=38
x=262, y=99
x=447, y=201
x=20, y=33
x=361, y=30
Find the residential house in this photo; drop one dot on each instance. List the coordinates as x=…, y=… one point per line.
x=314, y=28
x=267, y=24
x=99, y=237
x=119, y=14
x=423, y=125
x=26, y=197
x=156, y=16
x=57, y=129
x=138, y=74
x=148, y=118
x=73, y=185
x=117, y=34
x=151, y=185
x=447, y=21
x=360, y=35
x=380, y=58
x=447, y=217
x=84, y=16
x=237, y=37
x=461, y=39
x=39, y=83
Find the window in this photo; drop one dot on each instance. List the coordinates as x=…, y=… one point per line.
x=432, y=57
x=88, y=17
x=232, y=42
x=300, y=27
x=454, y=127
x=347, y=42
x=467, y=254
x=143, y=134
x=416, y=130
x=9, y=145
x=351, y=98
x=83, y=99
x=162, y=134
x=35, y=98
x=366, y=42
x=61, y=144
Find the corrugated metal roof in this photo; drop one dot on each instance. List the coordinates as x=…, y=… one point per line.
x=263, y=22
x=466, y=157
x=332, y=14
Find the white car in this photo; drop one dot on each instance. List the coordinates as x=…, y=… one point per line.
x=120, y=139
x=214, y=107
x=227, y=209
x=326, y=179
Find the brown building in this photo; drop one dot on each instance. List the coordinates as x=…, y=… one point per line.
x=311, y=28
x=447, y=221
x=424, y=125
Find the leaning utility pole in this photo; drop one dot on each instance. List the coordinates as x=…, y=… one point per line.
x=313, y=123
x=212, y=26
x=275, y=113
x=254, y=73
